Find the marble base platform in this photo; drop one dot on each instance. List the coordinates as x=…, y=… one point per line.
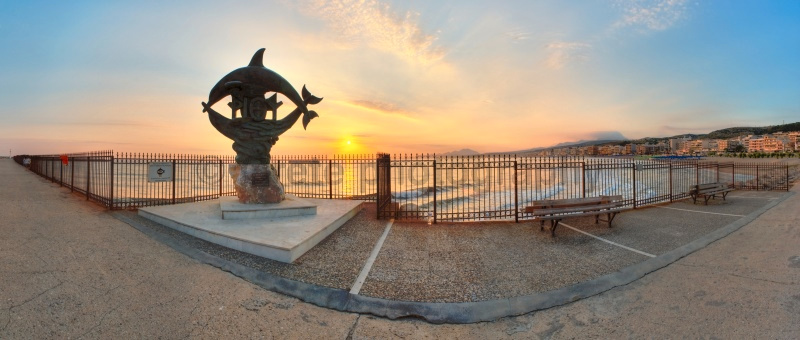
x=282, y=239
x=232, y=209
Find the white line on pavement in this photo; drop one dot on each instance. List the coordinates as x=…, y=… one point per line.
x=372, y=256
x=755, y=198
x=608, y=241
x=702, y=212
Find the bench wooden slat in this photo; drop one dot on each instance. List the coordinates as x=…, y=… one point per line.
x=600, y=208
x=556, y=210
x=709, y=191
x=554, y=217
x=571, y=202
x=707, y=186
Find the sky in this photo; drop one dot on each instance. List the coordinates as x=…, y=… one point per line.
x=413, y=76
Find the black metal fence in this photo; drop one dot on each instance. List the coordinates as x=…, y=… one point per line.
x=476, y=188
x=338, y=177
x=121, y=180
x=88, y=173
x=420, y=187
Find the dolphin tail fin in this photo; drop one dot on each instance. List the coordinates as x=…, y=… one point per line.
x=310, y=98
x=308, y=117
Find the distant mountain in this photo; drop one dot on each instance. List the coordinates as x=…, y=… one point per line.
x=462, y=152
x=718, y=134
x=580, y=143
x=738, y=131
x=728, y=133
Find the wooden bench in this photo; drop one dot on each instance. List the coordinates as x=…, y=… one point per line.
x=556, y=210
x=709, y=191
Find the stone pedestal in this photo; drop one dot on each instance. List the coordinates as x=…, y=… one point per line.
x=292, y=206
x=256, y=183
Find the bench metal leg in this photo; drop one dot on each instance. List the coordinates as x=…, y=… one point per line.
x=553, y=225
x=611, y=217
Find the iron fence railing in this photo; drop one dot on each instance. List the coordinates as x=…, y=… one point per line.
x=120, y=180
x=338, y=177
x=411, y=187
x=499, y=187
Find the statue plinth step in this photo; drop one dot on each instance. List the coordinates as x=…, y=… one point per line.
x=290, y=207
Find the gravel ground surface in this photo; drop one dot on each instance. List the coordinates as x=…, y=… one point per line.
x=486, y=261
x=335, y=262
x=468, y=262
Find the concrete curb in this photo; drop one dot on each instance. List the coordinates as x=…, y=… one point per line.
x=457, y=313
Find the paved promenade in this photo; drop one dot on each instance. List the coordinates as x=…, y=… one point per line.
x=70, y=269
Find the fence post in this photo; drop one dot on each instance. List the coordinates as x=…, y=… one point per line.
x=330, y=179
x=72, y=176
x=111, y=175
x=434, y=188
x=787, y=178
x=758, y=187
x=634, y=184
x=88, y=174
x=61, y=174
x=733, y=175
x=670, y=182
x=516, y=193
x=583, y=180
x=697, y=173
x=173, y=180
x=220, y=177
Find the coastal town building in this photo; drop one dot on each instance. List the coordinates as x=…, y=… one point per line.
x=769, y=143
x=722, y=144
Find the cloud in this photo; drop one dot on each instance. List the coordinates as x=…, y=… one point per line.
x=562, y=53
x=376, y=25
x=106, y=123
x=517, y=36
x=379, y=106
x=656, y=15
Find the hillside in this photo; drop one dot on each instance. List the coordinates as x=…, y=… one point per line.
x=717, y=134
x=739, y=131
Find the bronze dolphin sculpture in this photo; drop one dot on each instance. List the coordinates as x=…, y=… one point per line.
x=267, y=80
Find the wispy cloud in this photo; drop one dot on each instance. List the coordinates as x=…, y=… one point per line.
x=518, y=36
x=379, y=106
x=562, y=53
x=656, y=15
x=106, y=123
x=376, y=25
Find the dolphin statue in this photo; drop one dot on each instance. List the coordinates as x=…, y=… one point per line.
x=264, y=79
